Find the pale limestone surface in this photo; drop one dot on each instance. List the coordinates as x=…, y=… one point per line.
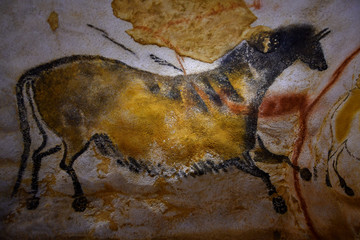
x=216, y=206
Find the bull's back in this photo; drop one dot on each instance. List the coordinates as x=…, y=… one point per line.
x=81, y=98
x=72, y=96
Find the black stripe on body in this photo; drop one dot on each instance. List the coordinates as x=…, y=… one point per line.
x=193, y=97
x=204, y=85
x=227, y=88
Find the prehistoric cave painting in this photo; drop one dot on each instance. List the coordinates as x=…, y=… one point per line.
x=196, y=124
x=344, y=123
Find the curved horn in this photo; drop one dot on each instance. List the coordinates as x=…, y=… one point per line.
x=323, y=33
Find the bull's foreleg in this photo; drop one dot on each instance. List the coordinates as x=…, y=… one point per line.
x=264, y=155
x=249, y=166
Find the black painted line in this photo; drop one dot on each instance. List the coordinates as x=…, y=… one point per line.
x=37, y=165
x=118, y=44
x=350, y=153
x=106, y=35
x=163, y=62
x=25, y=130
x=98, y=29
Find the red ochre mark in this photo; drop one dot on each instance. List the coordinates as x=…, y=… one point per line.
x=220, y=9
x=181, y=60
x=236, y=108
x=304, y=115
x=278, y=105
x=256, y=4
x=276, y=6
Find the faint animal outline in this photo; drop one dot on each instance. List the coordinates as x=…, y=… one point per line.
x=336, y=148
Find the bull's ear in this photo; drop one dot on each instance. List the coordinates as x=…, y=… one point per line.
x=265, y=41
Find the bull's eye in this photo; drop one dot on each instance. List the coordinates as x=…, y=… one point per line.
x=275, y=42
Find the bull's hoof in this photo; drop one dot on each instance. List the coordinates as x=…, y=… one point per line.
x=349, y=191
x=32, y=203
x=279, y=205
x=327, y=180
x=79, y=204
x=305, y=174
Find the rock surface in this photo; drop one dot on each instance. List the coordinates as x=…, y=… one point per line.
x=303, y=116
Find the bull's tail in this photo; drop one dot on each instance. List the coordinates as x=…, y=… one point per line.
x=22, y=96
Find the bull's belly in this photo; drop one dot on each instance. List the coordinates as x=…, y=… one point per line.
x=159, y=130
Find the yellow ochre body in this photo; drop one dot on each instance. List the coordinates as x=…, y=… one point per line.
x=79, y=99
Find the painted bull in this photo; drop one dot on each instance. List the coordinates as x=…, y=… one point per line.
x=159, y=125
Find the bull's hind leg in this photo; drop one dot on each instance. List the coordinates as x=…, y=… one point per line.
x=80, y=202
x=38, y=155
x=249, y=166
x=106, y=148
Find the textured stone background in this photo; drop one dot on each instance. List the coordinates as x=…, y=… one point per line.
x=223, y=206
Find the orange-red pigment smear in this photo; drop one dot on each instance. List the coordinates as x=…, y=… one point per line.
x=277, y=105
x=256, y=4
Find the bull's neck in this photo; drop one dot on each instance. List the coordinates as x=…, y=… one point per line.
x=269, y=65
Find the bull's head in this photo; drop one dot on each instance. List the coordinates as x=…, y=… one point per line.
x=312, y=53
x=294, y=42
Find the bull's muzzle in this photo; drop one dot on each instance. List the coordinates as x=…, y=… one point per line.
x=323, y=66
